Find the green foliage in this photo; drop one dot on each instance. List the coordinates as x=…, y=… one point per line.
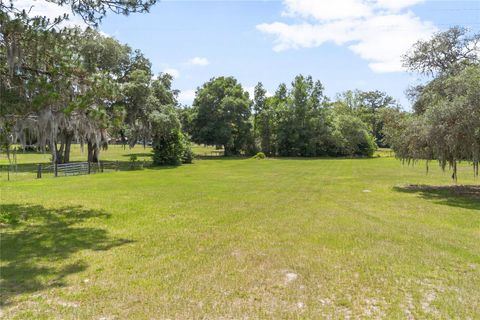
x=351, y=137
x=170, y=146
x=446, y=52
x=93, y=12
x=169, y=150
x=296, y=122
x=369, y=107
x=222, y=114
x=188, y=154
x=301, y=122
x=260, y=156
x=446, y=123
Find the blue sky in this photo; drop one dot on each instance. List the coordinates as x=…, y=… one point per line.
x=346, y=44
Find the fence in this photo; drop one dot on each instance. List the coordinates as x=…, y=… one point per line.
x=29, y=171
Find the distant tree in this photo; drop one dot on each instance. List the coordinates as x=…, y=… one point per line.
x=368, y=106
x=187, y=117
x=259, y=98
x=170, y=146
x=223, y=112
x=260, y=120
x=351, y=137
x=303, y=123
x=446, y=52
x=136, y=92
x=446, y=123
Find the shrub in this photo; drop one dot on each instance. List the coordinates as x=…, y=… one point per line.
x=259, y=156
x=352, y=137
x=188, y=154
x=172, y=149
x=170, y=145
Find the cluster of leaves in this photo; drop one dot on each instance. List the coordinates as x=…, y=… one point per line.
x=445, y=125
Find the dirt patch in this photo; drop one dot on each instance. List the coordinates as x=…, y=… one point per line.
x=373, y=309
x=409, y=307
x=290, y=276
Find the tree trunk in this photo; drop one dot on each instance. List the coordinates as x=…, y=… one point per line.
x=68, y=144
x=54, y=152
x=93, y=152
x=60, y=153
x=96, y=153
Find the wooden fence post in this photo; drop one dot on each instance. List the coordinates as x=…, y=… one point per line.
x=88, y=167
x=101, y=166
x=39, y=171
x=116, y=165
x=55, y=169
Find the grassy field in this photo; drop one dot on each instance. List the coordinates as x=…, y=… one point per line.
x=243, y=238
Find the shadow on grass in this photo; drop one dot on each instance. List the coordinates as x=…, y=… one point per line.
x=323, y=158
x=467, y=197
x=36, y=241
x=208, y=157
x=141, y=154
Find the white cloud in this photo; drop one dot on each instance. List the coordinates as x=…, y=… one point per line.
x=379, y=31
x=173, y=72
x=327, y=10
x=187, y=96
x=396, y=5
x=199, y=61
x=50, y=10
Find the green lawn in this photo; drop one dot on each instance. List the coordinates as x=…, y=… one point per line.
x=242, y=238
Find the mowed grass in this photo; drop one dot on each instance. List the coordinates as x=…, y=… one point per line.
x=243, y=238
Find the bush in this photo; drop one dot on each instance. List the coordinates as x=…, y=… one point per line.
x=172, y=149
x=170, y=145
x=259, y=156
x=188, y=154
x=352, y=137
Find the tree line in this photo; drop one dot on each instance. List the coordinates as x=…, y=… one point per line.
x=297, y=121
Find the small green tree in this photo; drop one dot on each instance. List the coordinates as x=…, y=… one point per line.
x=170, y=146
